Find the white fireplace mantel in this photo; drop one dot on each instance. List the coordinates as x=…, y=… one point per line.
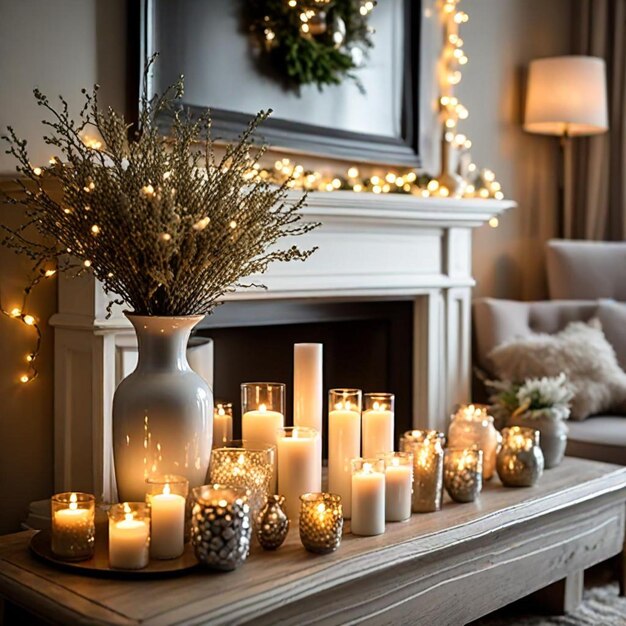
x=370, y=247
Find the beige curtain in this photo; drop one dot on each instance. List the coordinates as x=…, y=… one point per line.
x=599, y=163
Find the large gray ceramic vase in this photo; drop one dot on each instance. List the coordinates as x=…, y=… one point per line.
x=163, y=411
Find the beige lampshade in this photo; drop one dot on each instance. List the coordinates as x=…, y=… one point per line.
x=566, y=95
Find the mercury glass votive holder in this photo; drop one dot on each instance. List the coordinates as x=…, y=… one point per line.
x=427, y=475
x=222, y=423
x=220, y=526
x=463, y=473
x=418, y=436
x=73, y=525
x=321, y=522
x=244, y=466
x=520, y=461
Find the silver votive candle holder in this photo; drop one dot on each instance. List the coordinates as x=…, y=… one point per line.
x=73, y=525
x=427, y=475
x=419, y=436
x=463, y=473
x=220, y=526
x=321, y=522
x=520, y=461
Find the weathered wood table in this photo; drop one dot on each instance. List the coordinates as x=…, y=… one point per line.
x=441, y=568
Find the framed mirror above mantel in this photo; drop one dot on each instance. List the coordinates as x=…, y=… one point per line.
x=371, y=119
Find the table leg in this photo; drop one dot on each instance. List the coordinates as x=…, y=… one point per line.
x=563, y=596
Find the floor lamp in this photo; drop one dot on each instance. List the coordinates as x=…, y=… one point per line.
x=566, y=97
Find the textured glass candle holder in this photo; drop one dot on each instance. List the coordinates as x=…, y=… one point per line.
x=471, y=426
x=222, y=423
x=427, y=475
x=73, y=525
x=271, y=523
x=463, y=473
x=129, y=535
x=419, y=436
x=520, y=461
x=247, y=467
x=321, y=522
x=220, y=526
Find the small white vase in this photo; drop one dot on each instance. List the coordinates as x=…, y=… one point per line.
x=162, y=412
x=553, y=435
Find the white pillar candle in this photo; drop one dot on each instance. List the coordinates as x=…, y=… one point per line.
x=307, y=393
x=378, y=424
x=128, y=539
x=344, y=444
x=168, y=524
x=222, y=424
x=398, y=486
x=297, y=450
x=368, y=497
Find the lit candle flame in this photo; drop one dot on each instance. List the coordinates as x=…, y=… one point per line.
x=73, y=502
x=367, y=468
x=262, y=408
x=128, y=514
x=166, y=489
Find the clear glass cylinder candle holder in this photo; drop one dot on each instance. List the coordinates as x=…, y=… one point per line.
x=377, y=423
x=368, y=497
x=244, y=465
x=220, y=526
x=73, y=525
x=344, y=441
x=321, y=522
x=129, y=535
x=520, y=461
x=427, y=475
x=167, y=499
x=222, y=423
x=463, y=473
x=472, y=425
x=419, y=436
x=398, y=485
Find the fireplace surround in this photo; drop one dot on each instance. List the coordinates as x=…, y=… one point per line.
x=370, y=248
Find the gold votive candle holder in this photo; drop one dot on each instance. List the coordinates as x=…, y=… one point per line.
x=73, y=525
x=419, y=436
x=220, y=526
x=129, y=535
x=520, y=461
x=463, y=473
x=246, y=466
x=321, y=522
x=222, y=423
x=427, y=475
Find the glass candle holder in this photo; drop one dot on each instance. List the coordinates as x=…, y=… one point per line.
x=520, y=461
x=271, y=524
x=419, y=436
x=398, y=485
x=368, y=497
x=166, y=496
x=463, y=473
x=471, y=426
x=297, y=450
x=73, y=525
x=222, y=423
x=129, y=535
x=427, y=475
x=220, y=526
x=263, y=414
x=243, y=465
x=377, y=423
x=321, y=522
x=344, y=442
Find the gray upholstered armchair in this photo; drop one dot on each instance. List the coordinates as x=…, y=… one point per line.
x=585, y=280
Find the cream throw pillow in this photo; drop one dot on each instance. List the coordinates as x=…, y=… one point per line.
x=582, y=352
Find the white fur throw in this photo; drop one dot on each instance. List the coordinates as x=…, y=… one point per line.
x=582, y=352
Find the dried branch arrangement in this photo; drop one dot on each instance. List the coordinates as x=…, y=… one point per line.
x=161, y=222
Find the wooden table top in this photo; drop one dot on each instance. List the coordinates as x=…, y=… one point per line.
x=270, y=579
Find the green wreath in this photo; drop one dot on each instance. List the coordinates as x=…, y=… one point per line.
x=317, y=42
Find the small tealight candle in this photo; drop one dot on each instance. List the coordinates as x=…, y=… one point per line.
x=398, y=485
x=222, y=423
x=427, y=475
x=73, y=525
x=368, y=497
x=463, y=473
x=377, y=423
x=167, y=498
x=321, y=522
x=129, y=535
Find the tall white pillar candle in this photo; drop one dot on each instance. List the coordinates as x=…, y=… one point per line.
x=398, y=485
x=307, y=393
x=129, y=533
x=297, y=450
x=167, y=516
x=344, y=442
x=368, y=497
x=378, y=424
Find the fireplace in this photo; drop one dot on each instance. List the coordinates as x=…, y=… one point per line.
x=392, y=275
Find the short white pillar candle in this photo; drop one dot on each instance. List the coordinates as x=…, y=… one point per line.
x=398, y=485
x=129, y=535
x=378, y=423
x=368, y=497
x=167, y=497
